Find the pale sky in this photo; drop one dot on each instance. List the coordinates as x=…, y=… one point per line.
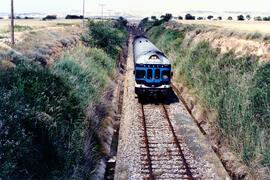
x=137, y=6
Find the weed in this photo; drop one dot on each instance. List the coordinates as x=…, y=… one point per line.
x=104, y=35
x=19, y=28
x=34, y=105
x=43, y=111
x=87, y=71
x=64, y=24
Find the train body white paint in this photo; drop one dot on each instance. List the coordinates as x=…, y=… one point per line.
x=152, y=68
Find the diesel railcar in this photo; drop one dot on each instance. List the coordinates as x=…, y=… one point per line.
x=152, y=68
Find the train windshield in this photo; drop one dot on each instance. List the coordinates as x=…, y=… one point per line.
x=157, y=73
x=149, y=74
x=165, y=74
x=140, y=74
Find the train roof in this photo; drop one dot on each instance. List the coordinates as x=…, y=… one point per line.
x=153, y=57
x=146, y=52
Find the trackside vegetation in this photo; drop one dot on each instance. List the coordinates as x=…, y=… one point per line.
x=107, y=35
x=45, y=118
x=238, y=89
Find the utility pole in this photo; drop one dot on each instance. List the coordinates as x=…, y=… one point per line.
x=12, y=24
x=83, y=11
x=102, y=6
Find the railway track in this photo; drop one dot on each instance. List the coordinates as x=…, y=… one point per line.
x=162, y=153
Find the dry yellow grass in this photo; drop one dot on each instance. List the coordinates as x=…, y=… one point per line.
x=250, y=26
x=35, y=23
x=23, y=27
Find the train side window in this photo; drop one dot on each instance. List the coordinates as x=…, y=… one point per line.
x=157, y=73
x=165, y=74
x=149, y=74
x=140, y=74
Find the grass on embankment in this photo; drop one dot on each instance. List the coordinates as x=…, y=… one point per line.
x=238, y=89
x=17, y=28
x=44, y=120
x=42, y=112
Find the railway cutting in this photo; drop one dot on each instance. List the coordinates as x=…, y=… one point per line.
x=158, y=138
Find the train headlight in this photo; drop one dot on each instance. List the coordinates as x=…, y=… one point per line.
x=165, y=76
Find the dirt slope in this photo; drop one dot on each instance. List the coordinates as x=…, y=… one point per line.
x=240, y=43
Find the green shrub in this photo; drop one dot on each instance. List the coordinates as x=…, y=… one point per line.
x=19, y=28
x=41, y=124
x=266, y=160
x=260, y=97
x=87, y=71
x=147, y=24
x=255, y=35
x=42, y=119
x=106, y=36
x=169, y=39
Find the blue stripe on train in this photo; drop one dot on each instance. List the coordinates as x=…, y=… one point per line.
x=153, y=80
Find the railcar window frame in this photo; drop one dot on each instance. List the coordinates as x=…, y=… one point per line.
x=149, y=74
x=157, y=73
x=140, y=76
x=166, y=73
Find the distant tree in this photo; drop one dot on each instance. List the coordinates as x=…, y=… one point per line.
x=73, y=17
x=154, y=18
x=210, y=17
x=266, y=18
x=240, y=18
x=258, y=18
x=230, y=18
x=167, y=17
x=219, y=18
x=49, y=17
x=248, y=17
x=158, y=22
x=180, y=17
x=144, y=22
x=121, y=23
x=27, y=17
x=200, y=18
x=189, y=17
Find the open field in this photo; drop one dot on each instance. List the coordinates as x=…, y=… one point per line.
x=260, y=26
x=23, y=27
x=33, y=24
x=36, y=23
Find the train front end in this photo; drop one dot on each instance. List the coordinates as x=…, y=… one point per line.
x=152, y=69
